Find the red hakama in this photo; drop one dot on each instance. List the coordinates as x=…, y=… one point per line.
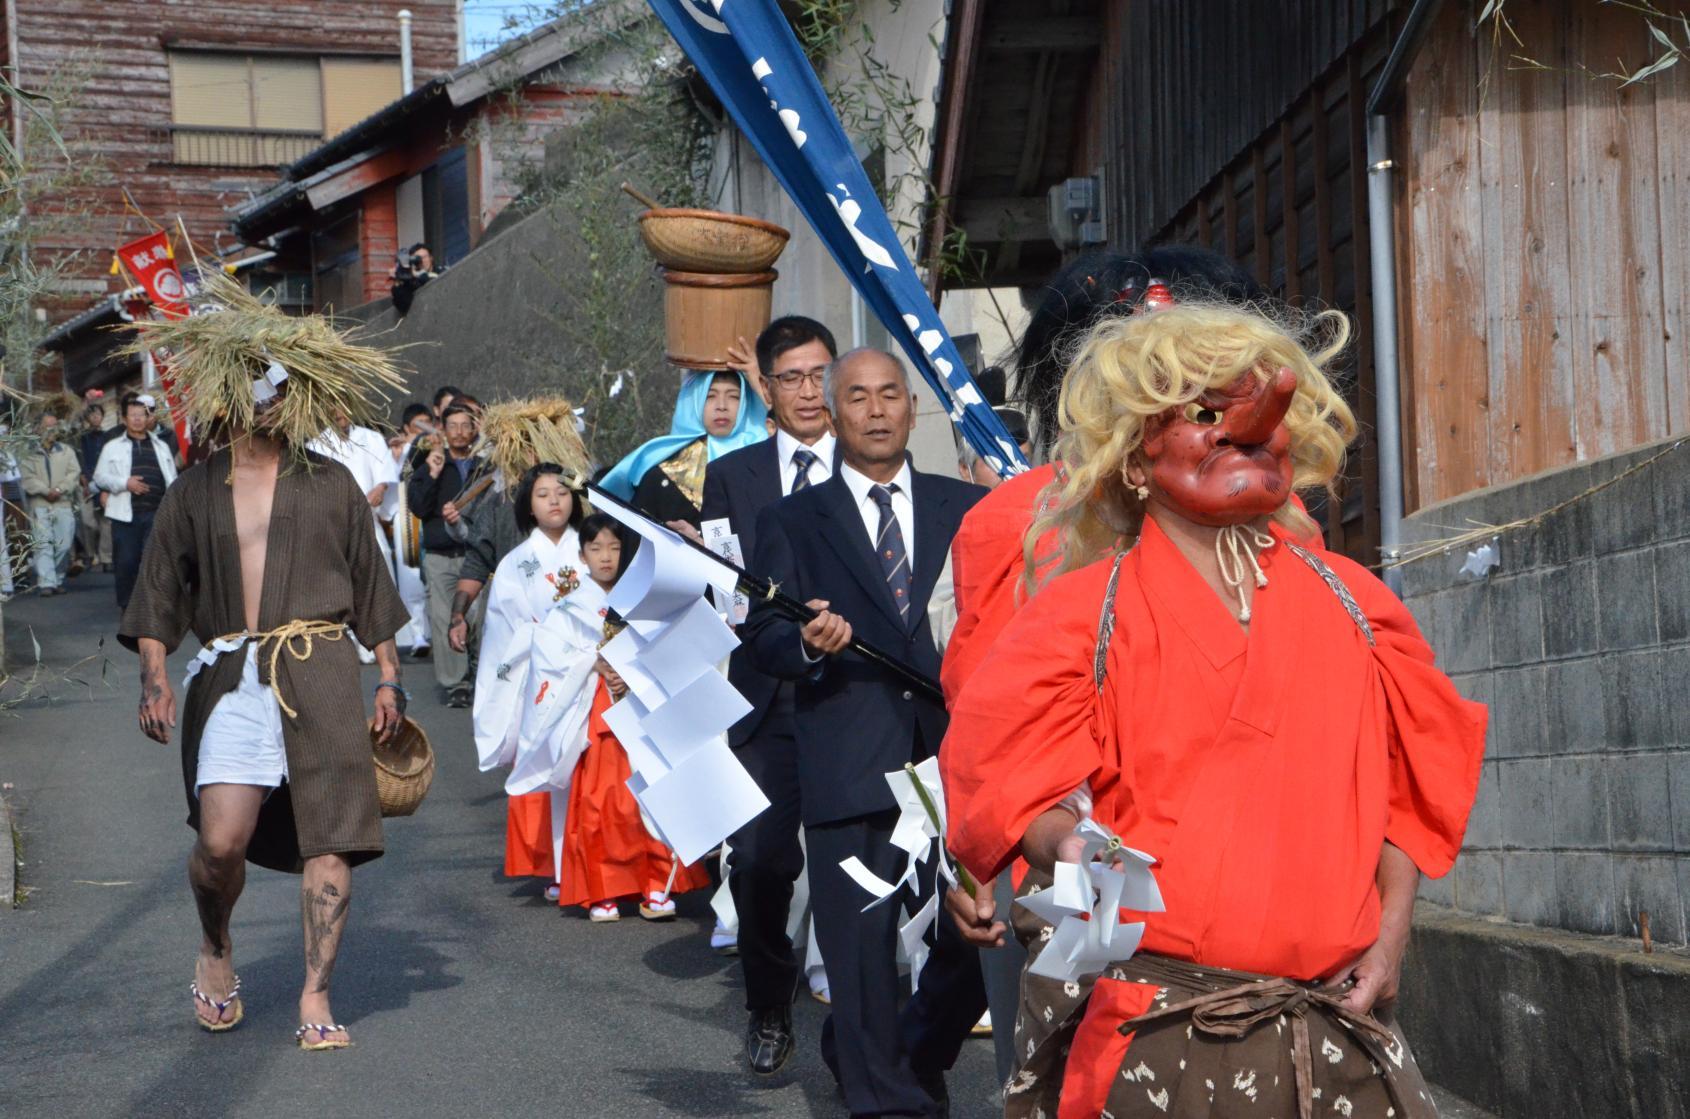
x=607, y=852
x=1264, y=769
x=528, y=836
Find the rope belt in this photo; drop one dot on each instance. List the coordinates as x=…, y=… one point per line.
x=1233, y=1011
x=297, y=637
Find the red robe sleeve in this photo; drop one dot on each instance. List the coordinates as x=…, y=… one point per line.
x=1022, y=733
x=986, y=567
x=1437, y=738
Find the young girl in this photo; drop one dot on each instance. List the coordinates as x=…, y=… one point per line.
x=607, y=852
x=534, y=685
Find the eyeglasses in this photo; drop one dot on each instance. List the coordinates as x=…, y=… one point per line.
x=792, y=378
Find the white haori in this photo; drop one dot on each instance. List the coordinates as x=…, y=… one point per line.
x=534, y=685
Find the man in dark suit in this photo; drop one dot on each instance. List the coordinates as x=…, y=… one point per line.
x=865, y=549
x=765, y=858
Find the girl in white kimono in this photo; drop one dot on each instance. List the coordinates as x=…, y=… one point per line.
x=535, y=682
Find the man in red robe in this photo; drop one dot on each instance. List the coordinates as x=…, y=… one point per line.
x=1165, y=692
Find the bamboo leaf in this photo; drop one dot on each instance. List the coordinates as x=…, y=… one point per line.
x=1664, y=62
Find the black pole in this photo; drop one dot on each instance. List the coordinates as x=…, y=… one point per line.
x=765, y=590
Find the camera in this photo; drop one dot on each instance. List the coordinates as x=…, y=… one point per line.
x=411, y=261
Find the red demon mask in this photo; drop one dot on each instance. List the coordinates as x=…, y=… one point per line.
x=1225, y=458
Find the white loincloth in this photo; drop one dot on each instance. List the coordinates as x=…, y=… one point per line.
x=242, y=741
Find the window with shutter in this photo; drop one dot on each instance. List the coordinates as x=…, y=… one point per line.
x=354, y=88
x=244, y=110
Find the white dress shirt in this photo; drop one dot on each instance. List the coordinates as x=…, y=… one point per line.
x=902, y=508
x=787, y=445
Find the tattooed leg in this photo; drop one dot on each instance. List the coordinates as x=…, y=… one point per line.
x=217, y=873
x=324, y=897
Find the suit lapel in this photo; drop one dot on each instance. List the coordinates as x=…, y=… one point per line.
x=932, y=539
x=842, y=528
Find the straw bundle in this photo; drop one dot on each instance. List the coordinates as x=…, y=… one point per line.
x=219, y=352
x=516, y=434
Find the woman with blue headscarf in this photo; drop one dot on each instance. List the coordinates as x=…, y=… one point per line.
x=664, y=477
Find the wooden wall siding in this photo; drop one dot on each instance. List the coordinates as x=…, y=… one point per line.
x=1547, y=256
x=1292, y=207
x=1198, y=82
x=122, y=46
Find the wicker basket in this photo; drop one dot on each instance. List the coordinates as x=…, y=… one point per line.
x=711, y=242
x=404, y=769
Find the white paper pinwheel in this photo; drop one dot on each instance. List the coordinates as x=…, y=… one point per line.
x=1085, y=902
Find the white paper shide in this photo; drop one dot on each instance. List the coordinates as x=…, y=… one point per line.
x=674, y=720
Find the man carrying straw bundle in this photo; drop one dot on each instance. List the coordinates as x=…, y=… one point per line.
x=265, y=553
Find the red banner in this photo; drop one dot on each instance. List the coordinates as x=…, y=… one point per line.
x=151, y=262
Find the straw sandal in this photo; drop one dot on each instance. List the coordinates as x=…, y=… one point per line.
x=604, y=912
x=233, y=998
x=657, y=907
x=323, y=1042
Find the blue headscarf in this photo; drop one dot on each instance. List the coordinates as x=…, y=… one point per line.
x=685, y=428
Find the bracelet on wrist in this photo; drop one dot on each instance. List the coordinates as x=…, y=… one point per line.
x=403, y=694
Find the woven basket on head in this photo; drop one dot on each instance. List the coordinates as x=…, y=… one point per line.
x=404, y=769
x=711, y=241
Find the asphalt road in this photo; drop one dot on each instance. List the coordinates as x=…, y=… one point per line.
x=466, y=993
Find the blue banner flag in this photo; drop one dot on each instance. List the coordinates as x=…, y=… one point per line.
x=746, y=51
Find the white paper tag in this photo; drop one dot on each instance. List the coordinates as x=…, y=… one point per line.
x=720, y=538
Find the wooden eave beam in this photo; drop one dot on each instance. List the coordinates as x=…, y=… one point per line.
x=1065, y=34
x=997, y=220
x=358, y=178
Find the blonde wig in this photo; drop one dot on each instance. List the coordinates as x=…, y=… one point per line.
x=1127, y=371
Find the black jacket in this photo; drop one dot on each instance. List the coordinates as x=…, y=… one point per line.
x=855, y=720
x=739, y=486
x=662, y=500
x=427, y=495
x=88, y=448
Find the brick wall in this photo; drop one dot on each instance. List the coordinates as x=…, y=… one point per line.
x=1580, y=643
x=378, y=239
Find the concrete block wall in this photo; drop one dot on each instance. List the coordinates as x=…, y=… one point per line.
x=1580, y=644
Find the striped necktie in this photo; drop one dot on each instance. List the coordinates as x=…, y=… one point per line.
x=889, y=546
x=802, y=460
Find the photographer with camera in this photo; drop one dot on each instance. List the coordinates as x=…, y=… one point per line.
x=415, y=268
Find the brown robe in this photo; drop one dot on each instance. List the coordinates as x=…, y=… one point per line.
x=322, y=565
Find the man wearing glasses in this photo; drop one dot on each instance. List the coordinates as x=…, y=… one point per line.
x=439, y=474
x=765, y=858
